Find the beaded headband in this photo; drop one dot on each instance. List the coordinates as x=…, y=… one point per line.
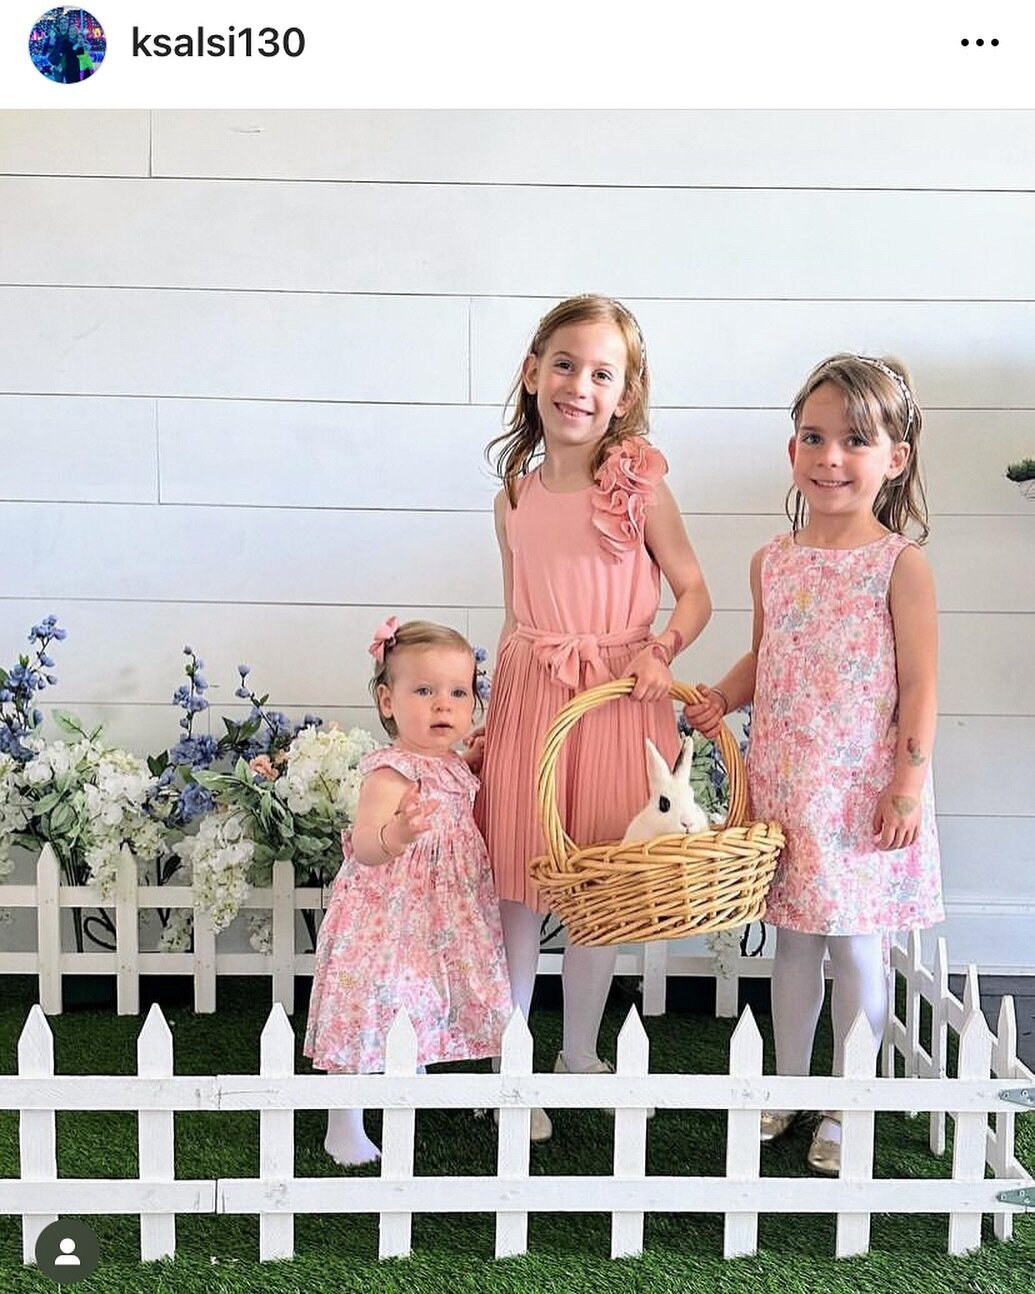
x=622, y=310
x=900, y=382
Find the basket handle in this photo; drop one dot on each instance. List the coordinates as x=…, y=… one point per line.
x=558, y=843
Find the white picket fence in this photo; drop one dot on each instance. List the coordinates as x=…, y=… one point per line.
x=155, y=1093
x=50, y=961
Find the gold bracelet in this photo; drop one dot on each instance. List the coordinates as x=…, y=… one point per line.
x=381, y=841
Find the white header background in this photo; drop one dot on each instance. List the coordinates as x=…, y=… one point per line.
x=552, y=54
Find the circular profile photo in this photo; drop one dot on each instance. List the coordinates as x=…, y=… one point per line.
x=67, y=44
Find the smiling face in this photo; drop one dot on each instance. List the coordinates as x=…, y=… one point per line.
x=579, y=382
x=430, y=696
x=837, y=468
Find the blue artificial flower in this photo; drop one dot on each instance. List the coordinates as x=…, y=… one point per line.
x=37, y=718
x=312, y=721
x=194, y=801
x=243, y=693
x=60, y=635
x=480, y=654
x=244, y=670
x=181, y=696
x=198, y=752
x=45, y=661
x=201, y=682
x=51, y=679
x=188, y=650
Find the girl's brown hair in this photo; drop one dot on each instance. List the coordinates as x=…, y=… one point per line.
x=519, y=445
x=416, y=633
x=878, y=397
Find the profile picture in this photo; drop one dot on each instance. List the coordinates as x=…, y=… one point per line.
x=67, y=44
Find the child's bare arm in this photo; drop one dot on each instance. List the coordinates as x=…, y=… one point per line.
x=737, y=685
x=391, y=814
x=915, y=619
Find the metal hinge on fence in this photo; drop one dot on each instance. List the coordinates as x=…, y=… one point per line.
x=1023, y=1197
x=1020, y=1096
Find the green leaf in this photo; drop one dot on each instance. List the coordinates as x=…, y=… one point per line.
x=70, y=724
x=157, y=764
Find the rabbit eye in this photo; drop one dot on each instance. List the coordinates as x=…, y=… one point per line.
x=664, y=804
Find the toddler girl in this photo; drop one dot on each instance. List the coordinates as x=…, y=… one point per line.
x=413, y=923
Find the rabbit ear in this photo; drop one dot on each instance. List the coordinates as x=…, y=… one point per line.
x=658, y=774
x=685, y=758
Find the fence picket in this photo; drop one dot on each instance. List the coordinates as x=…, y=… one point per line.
x=853, y=1229
x=1004, y=1066
x=127, y=935
x=276, y=1136
x=740, y=1236
x=630, y=1156
x=512, y=1138
x=204, y=962
x=48, y=930
x=939, y=1039
x=912, y=977
x=155, y=1140
x=968, y=1148
x=397, y=1139
x=37, y=1136
x=283, y=923
x=655, y=977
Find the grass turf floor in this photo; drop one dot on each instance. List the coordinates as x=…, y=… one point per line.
x=219, y=1254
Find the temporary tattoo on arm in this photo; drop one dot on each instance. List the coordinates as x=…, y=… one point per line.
x=903, y=805
x=916, y=755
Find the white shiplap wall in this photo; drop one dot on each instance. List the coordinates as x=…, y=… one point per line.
x=251, y=360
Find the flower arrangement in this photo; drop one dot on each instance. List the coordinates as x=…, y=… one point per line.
x=293, y=805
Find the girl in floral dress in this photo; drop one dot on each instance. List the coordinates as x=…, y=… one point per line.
x=842, y=673
x=586, y=526
x=413, y=924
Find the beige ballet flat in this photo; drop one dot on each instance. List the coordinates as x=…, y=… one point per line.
x=824, y=1156
x=539, y=1128
x=598, y=1067
x=774, y=1123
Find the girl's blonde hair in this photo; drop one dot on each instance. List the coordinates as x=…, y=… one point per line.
x=518, y=446
x=416, y=633
x=878, y=396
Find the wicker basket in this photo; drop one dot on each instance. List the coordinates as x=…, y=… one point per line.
x=657, y=889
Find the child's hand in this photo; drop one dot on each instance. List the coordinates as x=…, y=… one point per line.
x=896, y=819
x=653, y=676
x=411, y=819
x=707, y=715
x=474, y=748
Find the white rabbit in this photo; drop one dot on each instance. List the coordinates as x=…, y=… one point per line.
x=671, y=809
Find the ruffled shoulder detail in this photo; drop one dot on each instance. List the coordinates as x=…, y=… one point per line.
x=446, y=772
x=624, y=489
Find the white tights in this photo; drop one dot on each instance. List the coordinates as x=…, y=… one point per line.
x=346, y=1140
x=858, y=984
x=586, y=976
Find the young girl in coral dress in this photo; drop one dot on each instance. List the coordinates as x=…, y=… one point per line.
x=842, y=674
x=586, y=527
x=413, y=923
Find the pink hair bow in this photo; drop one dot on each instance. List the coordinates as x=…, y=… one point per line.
x=384, y=636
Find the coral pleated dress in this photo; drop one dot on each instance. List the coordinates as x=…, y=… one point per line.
x=585, y=593
x=823, y=740
x=420, y=933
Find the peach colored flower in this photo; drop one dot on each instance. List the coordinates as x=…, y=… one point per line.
x=261, y=764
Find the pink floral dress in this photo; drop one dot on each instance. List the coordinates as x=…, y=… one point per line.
x=420, y=934
x=823, y=740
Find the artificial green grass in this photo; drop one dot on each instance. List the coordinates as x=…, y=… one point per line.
x=219, y=1254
